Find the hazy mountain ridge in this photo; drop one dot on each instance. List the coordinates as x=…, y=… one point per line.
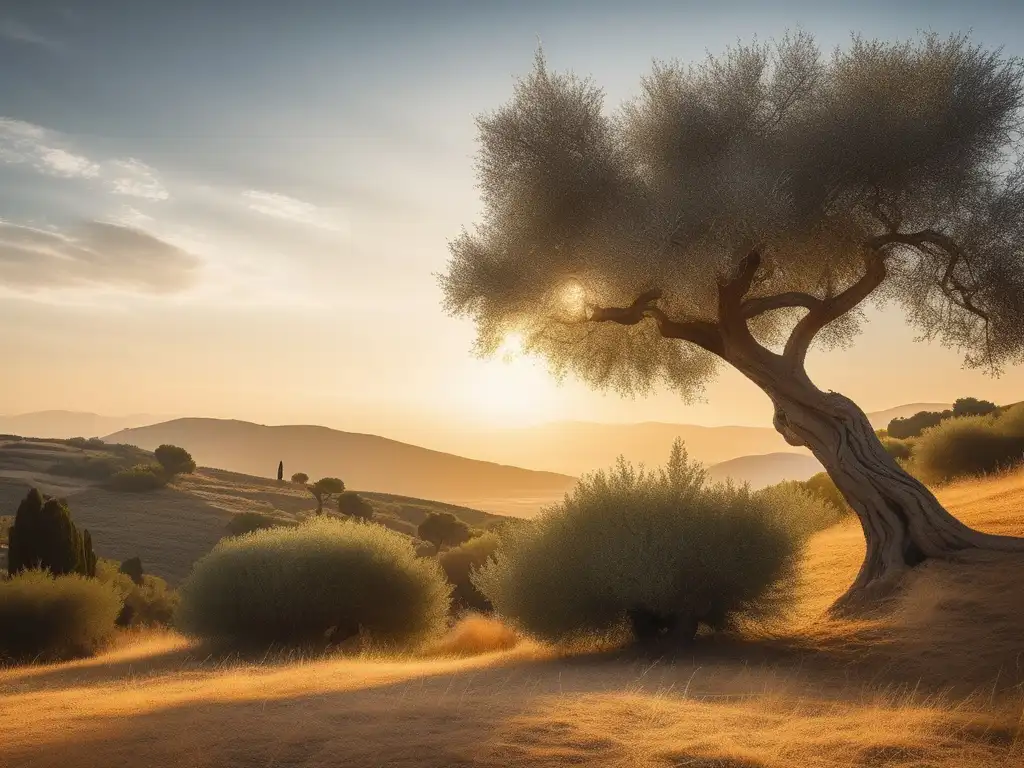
x=366, y=462
x=767, y=469
x=60, y=425
x=576, y=447
x=514, y=470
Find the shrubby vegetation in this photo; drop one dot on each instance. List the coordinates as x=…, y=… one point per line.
x=354, y=506
x=174, y=460
x=460, y=562
x=660, y=552
x=300, y=477
x=970, y=445
x=443, y=528
x=327, y=579
x=140, y=478
x=43, y=536
x=47, y=618
x=146, y=601
x=897, y=448
x=807, y=507
x=914, y=426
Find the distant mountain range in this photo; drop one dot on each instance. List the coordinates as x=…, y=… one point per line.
x=65, y=424
x=513, y=471
x=766, y=469
x=364, y=462
x=576, y=447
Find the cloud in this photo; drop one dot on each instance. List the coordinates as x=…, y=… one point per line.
x=50, y=153
x=292, y=209
x=60, y=162
x=22, y=142
x=136, y=179
x=19, y=32
x=96, y=254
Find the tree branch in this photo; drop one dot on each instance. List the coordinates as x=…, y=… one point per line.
x=704, y=334
x=832, y=309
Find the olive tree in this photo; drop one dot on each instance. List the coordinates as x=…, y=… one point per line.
x=738, y=211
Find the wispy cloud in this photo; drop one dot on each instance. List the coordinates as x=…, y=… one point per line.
x=53, y=154
x=95, y=254
x=19, y=32
x=22, y=142
x=60, y=162
x=136, y=179
x=294, y=210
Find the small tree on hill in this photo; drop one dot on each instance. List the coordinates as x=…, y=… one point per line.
x=739, y=211
x=351, y=504
x=971, y=406
x=443, y=528
x=280, y=471
x=175, y=460
x=323, y=489
x=300, y=477
x=43, y=536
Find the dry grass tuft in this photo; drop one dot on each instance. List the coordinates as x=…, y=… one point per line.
x=475, y=634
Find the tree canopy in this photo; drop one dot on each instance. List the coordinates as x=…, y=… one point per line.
x=323, y=489
x=441, y=528
x=175, y=460
x=772, y=186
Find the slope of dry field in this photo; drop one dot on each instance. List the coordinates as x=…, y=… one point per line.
x=936, y=682
x=172, y=527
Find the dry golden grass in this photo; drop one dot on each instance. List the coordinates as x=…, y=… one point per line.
x=937, y=682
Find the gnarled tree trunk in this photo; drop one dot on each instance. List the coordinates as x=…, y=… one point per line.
x=904, y=524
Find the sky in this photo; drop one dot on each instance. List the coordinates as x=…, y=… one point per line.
x=238, y=209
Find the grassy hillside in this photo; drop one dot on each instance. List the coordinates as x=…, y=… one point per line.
x=933, y=683
x=173, y=527
x=363, y=461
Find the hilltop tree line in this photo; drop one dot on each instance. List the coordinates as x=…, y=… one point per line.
x=915, y=425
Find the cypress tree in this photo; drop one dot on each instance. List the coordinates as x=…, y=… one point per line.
x=280, y=471
x=43, y=536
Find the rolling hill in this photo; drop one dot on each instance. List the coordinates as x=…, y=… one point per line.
x=366, y=462
x=172, y=527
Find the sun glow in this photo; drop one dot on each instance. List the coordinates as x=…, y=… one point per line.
x=512, y=388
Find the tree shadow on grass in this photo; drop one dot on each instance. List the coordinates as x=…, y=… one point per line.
x=603, y=710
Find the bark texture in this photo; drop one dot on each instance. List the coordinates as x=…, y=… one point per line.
x=904, y=524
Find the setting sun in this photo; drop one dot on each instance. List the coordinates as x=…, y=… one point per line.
x=510, y=388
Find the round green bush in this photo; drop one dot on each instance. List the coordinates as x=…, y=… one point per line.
x=326, y=579
x=971, y=445
x=49, y=618
x=658, y=552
